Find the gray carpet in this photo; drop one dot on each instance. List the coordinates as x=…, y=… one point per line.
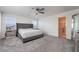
x=45, y=44
x=77, y=36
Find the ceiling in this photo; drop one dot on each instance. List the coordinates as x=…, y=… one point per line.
x=29, y=12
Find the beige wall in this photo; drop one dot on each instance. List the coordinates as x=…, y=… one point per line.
x=50, y=24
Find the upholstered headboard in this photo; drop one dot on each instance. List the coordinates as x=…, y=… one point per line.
x=23, y=26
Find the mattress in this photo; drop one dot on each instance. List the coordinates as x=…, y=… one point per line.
x=25, y=33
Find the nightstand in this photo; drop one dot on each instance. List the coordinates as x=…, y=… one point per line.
x=2, y=35
x=10, y=33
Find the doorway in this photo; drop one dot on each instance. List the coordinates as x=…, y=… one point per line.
x=75, y=32
x=62, y=27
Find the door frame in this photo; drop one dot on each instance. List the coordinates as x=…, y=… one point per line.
x=58, y=25
x=73, y=33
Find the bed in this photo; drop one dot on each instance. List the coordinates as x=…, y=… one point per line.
x=26, y=32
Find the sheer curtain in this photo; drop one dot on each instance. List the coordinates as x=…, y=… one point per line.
x=35, y=22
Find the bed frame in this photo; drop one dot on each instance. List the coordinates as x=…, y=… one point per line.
x=25, y=26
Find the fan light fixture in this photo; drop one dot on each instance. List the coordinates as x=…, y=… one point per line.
x=39, y=10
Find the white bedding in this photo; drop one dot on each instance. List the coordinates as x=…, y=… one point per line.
x=25, y=33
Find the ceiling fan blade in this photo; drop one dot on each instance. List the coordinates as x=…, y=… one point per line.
x=38, y=9
x=42, y=9
x=42, y=12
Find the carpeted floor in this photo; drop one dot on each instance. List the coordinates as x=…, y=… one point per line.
x=77, y=35
x=45, y=44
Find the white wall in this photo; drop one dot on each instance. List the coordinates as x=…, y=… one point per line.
x=0, y=22
x=20, y=19
x=50, y=24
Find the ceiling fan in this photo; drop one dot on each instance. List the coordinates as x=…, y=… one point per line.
x=39, y=10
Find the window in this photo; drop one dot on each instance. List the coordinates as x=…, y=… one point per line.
x=35, y=23
x=10, y=23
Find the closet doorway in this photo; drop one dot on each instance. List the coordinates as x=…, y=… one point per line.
x=62, y=27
